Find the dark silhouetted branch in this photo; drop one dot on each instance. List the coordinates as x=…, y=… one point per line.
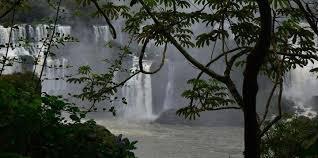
x=112, y=28
x=142, y=54
x=46, y=54
x=9, y=42
x=181, y=49
x=12, y=8
x=277, y=118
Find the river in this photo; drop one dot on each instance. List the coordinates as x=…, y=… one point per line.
x=179, y=141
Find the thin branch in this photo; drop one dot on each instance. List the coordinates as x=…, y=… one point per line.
x=46, y=54
x=213, y=49
x=233, y=59
x=12, y=8
x=124, y=81
x=104, y=90
x=181, y=49
x=142, y=54
x=214, y=60
x=219, y=108
x=269, y=102
x=307, y=15
x=112, y=28
x=90, y=108
x=9, y=42
x=234, y=92
x=38, y=57
x=306, y=56
x=277, y=118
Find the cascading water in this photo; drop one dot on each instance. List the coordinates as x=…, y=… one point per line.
x=169, y=98
x=303, y=84
x=302, y=87
x=17, y=33
x=138, y=90
x=138, y=93
x=36, y=35
x=101, y=33
x=54, y=78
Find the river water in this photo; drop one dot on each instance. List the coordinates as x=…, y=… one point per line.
x=179, y=141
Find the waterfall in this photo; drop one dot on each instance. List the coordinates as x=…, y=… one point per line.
x=18, y=33
x=36, y=36
x=169, y=98
x=101, y=33
x=138, y=90
x=138, y=94
x=303, y=84
x=54, y=76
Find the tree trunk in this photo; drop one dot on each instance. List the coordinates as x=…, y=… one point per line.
x=251, y=129
x=250, y=87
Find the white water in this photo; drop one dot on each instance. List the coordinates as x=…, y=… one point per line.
x=138, y=92
x=302, y=87
x=179, y=141
x=36, y=35
x=168, y=100
x=303, y=84
x=54, y=78
x=102, y=33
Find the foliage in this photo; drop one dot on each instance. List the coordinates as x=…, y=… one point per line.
x=28, y=11
x=293, y=136
x=11, y=155
x=98, y=87
x=46, y=126
x=207, y=95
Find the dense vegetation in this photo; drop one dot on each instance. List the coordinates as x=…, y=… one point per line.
x=46, y=126
x=293, y=136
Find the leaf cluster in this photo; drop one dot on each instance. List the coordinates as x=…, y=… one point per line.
x=207, y=95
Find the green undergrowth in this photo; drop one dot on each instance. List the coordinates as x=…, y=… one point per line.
x=35, y=126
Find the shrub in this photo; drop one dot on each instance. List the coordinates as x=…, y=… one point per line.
x=36, y=126
x=293, y=136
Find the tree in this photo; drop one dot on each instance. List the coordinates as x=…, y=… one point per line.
x=269, y=37
x=268, y=34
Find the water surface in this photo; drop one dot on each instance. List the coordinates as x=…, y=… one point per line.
x=180, y=141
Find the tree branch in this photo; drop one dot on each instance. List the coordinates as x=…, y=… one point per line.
x=10, y=9
x=306, y=56
x=220, y=108
x=112, y=28
x=233, y=59
x=277, y=118
x=46, y=54
x=9, y=42
x=181, y=49
x=141, y=57
x=307, y=15
x=268, y=102
x=119, y=84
